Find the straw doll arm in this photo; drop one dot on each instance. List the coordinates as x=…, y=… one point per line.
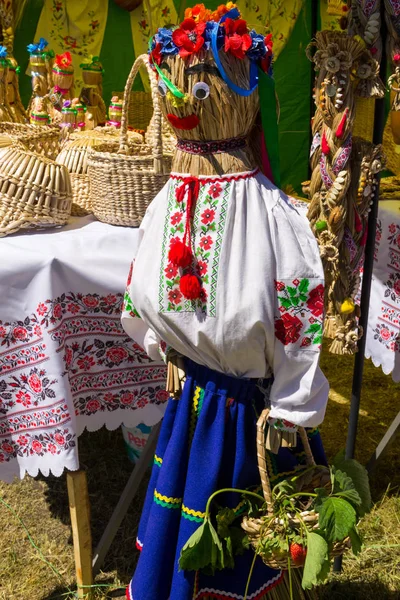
x=300, y=391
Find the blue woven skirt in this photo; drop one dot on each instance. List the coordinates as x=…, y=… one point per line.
x=207, y=442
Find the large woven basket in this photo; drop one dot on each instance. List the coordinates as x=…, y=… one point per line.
x=43, y=140
x=73, y=155
x=257, y=528
x=123, y=183
x=34, y=191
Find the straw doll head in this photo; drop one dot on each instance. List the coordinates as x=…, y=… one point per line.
x=208, y=69
x=40, y=62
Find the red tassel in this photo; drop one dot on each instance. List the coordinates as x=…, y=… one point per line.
x=324, y=144
x=342, y=125
x=190, y=287
x=357, y=222
x=180, y=255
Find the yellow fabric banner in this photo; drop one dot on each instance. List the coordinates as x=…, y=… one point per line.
x=76, y=27
x=146, y=19
x=278, y=17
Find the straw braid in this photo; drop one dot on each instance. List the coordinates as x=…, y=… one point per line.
x=334, y=181
x=365, y=21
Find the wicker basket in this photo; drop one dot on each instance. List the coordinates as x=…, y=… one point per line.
x=44, y=140
x=257, y=529
x=123, y=184
x=34, y=191
x=140, y=109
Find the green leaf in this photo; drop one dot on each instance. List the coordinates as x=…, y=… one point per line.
x=314, y=328
x=285, y=302
x=336, y=518
x=359, y=477
x=356, y=542
x=292, y=291
x=204, y=229
x=303, y=286
x=303, y=297
x=345, y=487
x=240, y=541
x=203, y=549
x=321, y=495
x=317, y=565
x=225, y=518
x=295, y=301
x=317, y=339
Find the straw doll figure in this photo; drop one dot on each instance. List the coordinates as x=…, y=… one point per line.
x=92, y=91
x=40, y=63
x=227, y=285
x=5, y=113
x=17, y=109
x=62, y=73
x=115, y=112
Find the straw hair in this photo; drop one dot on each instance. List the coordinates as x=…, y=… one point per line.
x=34, y=191
x=335, y=196
x=223, y=115
x=123, y=183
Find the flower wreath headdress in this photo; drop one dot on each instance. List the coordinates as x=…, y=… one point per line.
x=224, y=29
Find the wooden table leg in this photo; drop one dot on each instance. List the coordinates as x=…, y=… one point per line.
x=79, y=508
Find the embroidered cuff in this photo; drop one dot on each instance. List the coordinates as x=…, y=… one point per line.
x=282, y=425
x=281, y=433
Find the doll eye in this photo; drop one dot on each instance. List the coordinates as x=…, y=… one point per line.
x=162, y=88
x=201, y=90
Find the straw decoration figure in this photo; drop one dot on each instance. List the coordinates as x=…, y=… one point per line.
x=337, y=213
x=5, y=113
x=40, y=62
x=18, y=112
x=115, y=112
x=63, y=82
x=365, y=22
x=92, y=91
x=393, y=51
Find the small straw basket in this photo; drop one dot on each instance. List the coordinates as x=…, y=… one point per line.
x=34, y=191
x=44, y=140
x=263, y=527
x=123, y=183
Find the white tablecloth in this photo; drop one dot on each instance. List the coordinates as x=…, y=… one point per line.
x=65, y=362
x=383, y=335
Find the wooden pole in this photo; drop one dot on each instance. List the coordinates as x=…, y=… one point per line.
x=79, y=508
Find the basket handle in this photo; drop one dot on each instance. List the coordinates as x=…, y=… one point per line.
x=143, y=61
x=262, y=458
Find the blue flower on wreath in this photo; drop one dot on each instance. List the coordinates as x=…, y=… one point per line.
x=3, y=52
x=258, y=49
x=164, y=37
x=207, y=35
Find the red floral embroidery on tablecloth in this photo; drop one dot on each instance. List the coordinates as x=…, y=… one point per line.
x=35, y=419
x=387, y=336
x=37, y=444
x=126, y=399
x=28, y=389
x=19, y=332
x=392, y=285
x=301, y=308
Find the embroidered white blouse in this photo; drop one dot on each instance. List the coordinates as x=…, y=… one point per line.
x=261, y=306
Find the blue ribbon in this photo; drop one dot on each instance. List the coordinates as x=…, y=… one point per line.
x=232, y=14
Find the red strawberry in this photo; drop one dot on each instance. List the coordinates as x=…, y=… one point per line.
x=298, y=553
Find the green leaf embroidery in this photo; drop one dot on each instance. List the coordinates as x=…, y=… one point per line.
x=204, y=229
x=359, y=477
x=205, y=279
x=314, y=328
x=356, y=542
x=169, y=283
x=317, y=565
x=285, y=302
x=336, y=517
x=295, y=301
x=303, y=286
x=317, y=339
x=303, y=298
x=292, y=291
x=345, y=488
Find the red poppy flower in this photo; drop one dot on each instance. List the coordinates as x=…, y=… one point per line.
x=189, y=37
x=202, y=267
x=208, y=216
x=215, y=190
x=175, y=296
x=237, y=40
x=171, y=271
x=155, y=54
x=287, y=329
x=206, y=242
x=176, y=218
